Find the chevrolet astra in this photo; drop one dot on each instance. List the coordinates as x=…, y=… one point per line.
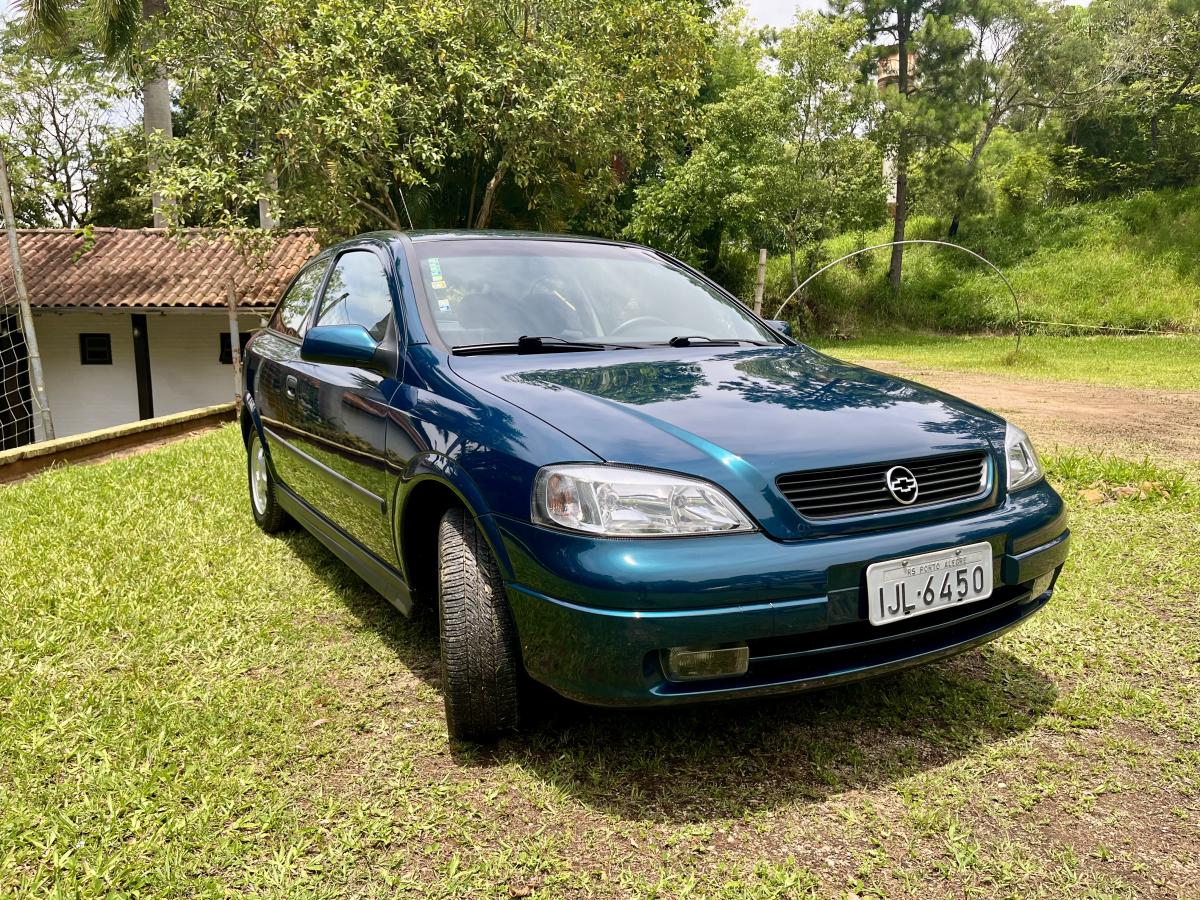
x=603, y=473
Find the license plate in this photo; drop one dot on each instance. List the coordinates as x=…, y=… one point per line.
x=914, y=585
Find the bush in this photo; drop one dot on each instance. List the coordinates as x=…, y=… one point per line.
x=1129, y=263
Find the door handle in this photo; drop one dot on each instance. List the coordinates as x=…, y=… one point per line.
x=289, y=387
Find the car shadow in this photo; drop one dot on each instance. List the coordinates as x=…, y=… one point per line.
x=695, y=763
x=726, y=759
x=414, y=639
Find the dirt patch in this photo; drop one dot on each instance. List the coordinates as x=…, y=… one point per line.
x=1132, y=422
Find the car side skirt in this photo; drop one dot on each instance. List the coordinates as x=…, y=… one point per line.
x=378, y=574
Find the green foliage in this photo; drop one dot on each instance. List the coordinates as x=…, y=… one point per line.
x=55, y=116
x=508, y=114
x=774, y=162
x=1025, y=182
x=1166, y=362
x=1144, y=131
x=112, y=26
x=119, y=196
x=1128, y=263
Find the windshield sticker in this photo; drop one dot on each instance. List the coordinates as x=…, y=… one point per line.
x=444, y=304
x=435, y=277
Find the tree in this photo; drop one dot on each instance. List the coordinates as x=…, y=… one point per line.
x=119, y=195
x=925, y=106
x=1025, y=56
x=118, y=29
x=828, y=180
x=775, y=162
x=54, y=115
x=476, y=111
x=1144, y=131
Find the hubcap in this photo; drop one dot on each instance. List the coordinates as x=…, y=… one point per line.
x=258, y=477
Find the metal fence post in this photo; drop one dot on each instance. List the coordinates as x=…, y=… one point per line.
x=235, y=345
x=31, y=344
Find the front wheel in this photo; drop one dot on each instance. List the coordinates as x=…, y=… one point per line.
x=268, y=514
x=480, y=658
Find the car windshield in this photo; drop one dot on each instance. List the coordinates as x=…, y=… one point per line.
x=489, y=291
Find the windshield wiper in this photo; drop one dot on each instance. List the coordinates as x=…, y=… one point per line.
x=537, y=344
x=687, y=340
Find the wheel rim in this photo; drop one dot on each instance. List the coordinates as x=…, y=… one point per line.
x=258, y=477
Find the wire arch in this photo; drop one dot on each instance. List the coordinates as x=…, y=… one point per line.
x=862, y=250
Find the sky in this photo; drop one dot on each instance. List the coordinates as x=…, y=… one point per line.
x=769, y=12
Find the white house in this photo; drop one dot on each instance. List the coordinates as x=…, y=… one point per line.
x=134, y=323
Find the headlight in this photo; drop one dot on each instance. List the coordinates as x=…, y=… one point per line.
x=1024, y=467
x=622, y=502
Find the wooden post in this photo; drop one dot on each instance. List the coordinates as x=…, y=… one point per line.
x=31, y=344
x=235, y=344
x=761, y=281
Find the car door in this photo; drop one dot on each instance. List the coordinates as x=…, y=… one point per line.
x=285, y=389
x=343, y=443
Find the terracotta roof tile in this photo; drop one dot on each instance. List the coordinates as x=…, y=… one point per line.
x=151, y=268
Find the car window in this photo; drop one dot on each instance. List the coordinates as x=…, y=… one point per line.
x=290, y=315
x=495, y=291
x=357, y=294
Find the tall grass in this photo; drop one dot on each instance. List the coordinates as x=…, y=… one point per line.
x=1127, y=263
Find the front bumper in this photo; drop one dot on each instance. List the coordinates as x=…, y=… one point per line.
x=594, y=615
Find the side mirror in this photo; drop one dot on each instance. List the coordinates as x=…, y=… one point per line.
x=781, y=326
x=340, y=345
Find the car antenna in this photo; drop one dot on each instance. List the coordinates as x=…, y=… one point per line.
x=404, y=203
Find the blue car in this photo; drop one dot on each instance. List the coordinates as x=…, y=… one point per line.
x=607, y=475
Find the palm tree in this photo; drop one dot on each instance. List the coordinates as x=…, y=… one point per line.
x=117, y=27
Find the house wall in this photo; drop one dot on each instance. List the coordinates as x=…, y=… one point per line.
x=84, y=398
x=185, y=367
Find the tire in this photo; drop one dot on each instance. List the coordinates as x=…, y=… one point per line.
x=481, y=662
x=268, y=514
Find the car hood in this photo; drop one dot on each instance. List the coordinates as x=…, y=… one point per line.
x=739, y=417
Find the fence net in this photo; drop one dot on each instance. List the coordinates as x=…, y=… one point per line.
x=17, y=410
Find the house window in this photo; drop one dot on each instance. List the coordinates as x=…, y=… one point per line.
x=227, y=351
x=95, y=349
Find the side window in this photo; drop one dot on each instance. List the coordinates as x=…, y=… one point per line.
x=289, y=315
x=357, y=294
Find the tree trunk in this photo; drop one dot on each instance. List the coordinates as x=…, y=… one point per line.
x=156, y=108
x=960, y=195
x=489, y=195
x=895, y=270
x=266, y=218
x=156, y=119
x=474, y=185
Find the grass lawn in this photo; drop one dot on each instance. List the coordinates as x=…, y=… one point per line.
x=1132, y=262
x=1149, y=361
x=189, y=707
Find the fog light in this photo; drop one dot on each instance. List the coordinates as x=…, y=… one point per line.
x=1041, y=584
x=691, y=663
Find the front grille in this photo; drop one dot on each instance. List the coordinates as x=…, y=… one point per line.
x=854, y=490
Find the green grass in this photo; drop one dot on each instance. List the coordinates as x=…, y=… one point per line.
x=191, y=708
x=1131, y=263
x=1148, y=361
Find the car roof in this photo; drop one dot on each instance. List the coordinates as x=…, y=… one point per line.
x=497, y=235
x=428, y=235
